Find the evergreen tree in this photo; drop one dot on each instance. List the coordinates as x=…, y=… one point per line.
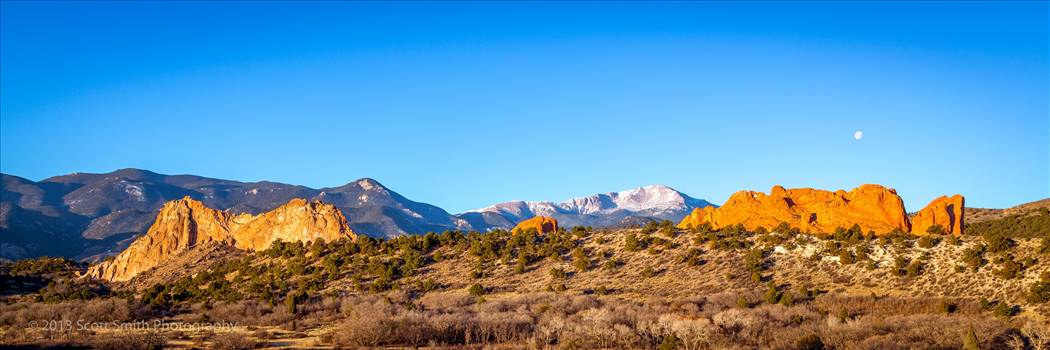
x=631, y=243
x=476, y=290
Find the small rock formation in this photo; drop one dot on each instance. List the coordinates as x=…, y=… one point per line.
x=186, y=223
x=872, y=207
x=945, y=211
x=542, y=224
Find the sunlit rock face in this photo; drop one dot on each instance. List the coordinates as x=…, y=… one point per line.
x=872, y=207
x=298, y=220
x=186, y=223
x=542, y=224
x=944, y=211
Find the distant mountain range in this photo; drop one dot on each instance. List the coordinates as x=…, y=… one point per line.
x=600, y=210
x=83, y=215
x=87, y=216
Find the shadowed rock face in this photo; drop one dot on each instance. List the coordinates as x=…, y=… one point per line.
x=542, y=224
x=945, y=211
x=186, y=223
x=872, y=207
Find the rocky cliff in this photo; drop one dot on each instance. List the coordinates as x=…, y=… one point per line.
x=542, y=224
x=944, y=211
x=298, y=220
x=186, y=223
x=872, y=207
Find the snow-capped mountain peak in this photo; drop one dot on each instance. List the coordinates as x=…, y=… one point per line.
x=638, y=199
x=602, y=209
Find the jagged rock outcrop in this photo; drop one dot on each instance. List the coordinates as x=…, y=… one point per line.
x=542, y=224
x=945, y=211
x=872, y=207
x=298, y=220
x=186, y=223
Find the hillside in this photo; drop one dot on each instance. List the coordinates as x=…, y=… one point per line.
x=297, y=276
x=648, y=286
x=977, y=215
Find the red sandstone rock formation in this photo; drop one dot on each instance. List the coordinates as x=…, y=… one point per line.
x=872, y=207
x=186, y=223
x=542, y=224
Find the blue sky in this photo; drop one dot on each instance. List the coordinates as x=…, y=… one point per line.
x=465, y=104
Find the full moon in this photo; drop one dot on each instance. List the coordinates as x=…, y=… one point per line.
x=857, y=135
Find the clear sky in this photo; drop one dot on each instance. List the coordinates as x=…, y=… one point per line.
x=463, y=105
